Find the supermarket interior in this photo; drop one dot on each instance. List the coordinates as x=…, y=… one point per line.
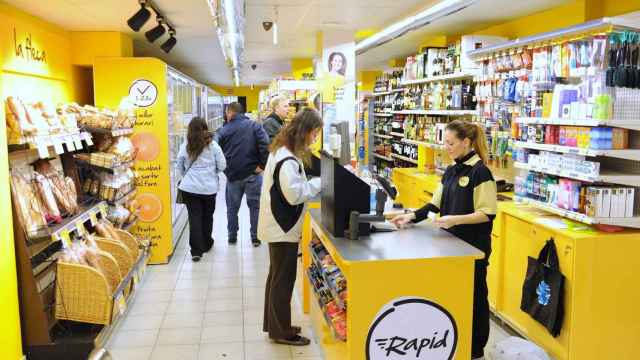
x=467, y=186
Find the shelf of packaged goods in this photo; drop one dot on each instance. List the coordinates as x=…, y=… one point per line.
x=625, y=124
x=110, y=169
x=453, y=76
x=425, y=144
x=112, y=132
x=629, y=154
x=404, y=158
x=381, y=136
x=124, y=198
x=324, y=312
x=41, y=250
x=72, y=141
x=633, y=222
x=382, y=157
x=383, y=93
x=383, y=114
x=437, y=112
x=605, y=176
x=397, y=134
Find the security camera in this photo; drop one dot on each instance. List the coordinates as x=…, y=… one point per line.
x=267, y=25
x=254, y=66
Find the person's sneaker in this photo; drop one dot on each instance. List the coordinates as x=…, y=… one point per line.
x=256, y=243
x=296, y=340
x=196, y=258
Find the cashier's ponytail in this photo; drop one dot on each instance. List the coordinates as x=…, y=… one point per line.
x=475, y=133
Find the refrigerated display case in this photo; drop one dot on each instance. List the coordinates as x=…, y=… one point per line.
x=215, y=110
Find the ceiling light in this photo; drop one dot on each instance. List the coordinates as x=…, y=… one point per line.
x=153, y=34
x=275, y=33
x=139, y=18
x=170, y=43
x=436, y=12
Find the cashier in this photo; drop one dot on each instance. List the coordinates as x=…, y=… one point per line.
x=466, y=201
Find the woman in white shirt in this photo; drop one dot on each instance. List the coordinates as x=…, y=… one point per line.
x=285, y=191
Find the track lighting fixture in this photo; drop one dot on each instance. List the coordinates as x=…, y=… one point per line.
x=153, y=34
x=170, y=43
x=137, y=21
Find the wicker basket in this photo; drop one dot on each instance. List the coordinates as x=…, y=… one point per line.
x=83, y=294
x=131, y=242
x=119, y=251
x=110, y=269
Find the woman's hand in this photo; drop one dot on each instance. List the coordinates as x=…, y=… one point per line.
x=401, y=221
x=447, y=221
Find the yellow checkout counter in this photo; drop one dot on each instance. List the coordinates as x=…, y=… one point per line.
x=409, y=292
x=602, y=270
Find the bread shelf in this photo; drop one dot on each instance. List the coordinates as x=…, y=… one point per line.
x=625, y=124
x=604, y=177
x=381, y=136
x=124, y=198
x=120, y=167
x=629, y=154
x=376, y=155
x=633, y=222
x=454, y=76
x=404, y=158
x=437, y=112
x=425, y=144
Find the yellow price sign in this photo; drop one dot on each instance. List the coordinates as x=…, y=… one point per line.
x=93, y=218
x=66, y=239
x=80, y=227
x=121, y=304
x=103, y=210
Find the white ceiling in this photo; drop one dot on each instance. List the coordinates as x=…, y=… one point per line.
x=198, y=53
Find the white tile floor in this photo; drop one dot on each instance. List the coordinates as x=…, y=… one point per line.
x=211, y=309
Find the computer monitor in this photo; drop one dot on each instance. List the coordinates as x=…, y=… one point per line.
x=342, y=193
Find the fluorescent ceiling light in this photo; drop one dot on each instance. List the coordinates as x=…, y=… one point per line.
x=440, y=10
x=275, y=33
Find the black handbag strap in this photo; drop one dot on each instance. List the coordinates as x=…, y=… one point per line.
x=549, y=255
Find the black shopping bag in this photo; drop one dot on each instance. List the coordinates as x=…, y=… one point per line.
x=543, y=289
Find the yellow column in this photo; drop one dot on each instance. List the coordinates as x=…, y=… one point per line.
x=301, y=66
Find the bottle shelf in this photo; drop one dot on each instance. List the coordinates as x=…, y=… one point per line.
x=397, y=134
x=383, y=114
x=611, y=177
x=633, y=222
x=625, y=124
x=382, y=157
x=437, y=112
x=454, y=76
x=383, y=136
x=404, y=158
x=423, y=143
x=629, y=154
x=387, y=92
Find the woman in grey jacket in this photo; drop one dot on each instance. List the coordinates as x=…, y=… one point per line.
x=200, y=162
x=285, y=191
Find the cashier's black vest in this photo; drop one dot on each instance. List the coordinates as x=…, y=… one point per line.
x=286, y=215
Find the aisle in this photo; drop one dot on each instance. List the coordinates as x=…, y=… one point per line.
x=207, y=310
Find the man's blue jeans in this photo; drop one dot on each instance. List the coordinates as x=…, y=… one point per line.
x=250, y=186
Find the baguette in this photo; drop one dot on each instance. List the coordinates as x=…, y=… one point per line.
x=28, y=207
x=48, y=199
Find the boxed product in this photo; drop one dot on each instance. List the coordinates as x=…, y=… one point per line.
x=469, y=43
x=631, y=202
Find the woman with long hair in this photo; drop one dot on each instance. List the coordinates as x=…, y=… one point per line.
x=467, y=202
x=285, y=192
x=200, y=162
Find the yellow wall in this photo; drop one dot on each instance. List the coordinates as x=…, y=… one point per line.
x=253, y=96
x=367, y=80
x=301, y=66
x=90, y=44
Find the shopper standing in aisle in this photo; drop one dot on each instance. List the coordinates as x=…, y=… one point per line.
x=285, y=193
x=246, y=147
x=200, y=161
x=467, y=202
x=279, y=110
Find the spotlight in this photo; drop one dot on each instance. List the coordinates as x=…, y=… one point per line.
x=153, y=34
x=140, y=18
x=170, y=43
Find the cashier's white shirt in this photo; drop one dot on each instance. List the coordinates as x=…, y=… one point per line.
x=295, y=188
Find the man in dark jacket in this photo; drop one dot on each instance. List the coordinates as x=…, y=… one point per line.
x=246, y=148
x=274, y=122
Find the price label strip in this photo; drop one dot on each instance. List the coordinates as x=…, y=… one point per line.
x=66, y=239
x=43, y=149
x=77, y=141
x=81, y=229
x=69, y=142
x=121, y=304
x=93, y=218
x=57, y=145
x=87, y=138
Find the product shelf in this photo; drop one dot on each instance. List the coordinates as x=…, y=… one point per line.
x=403, y=158
x=437, y=112
x=424, y=143
x=382, y=157
x=629, y=154
x=625, y=124
x=454, y=76
x=327, y=319
x=606, y=176
x=383, y=136
x=72, y=141
x=633, y=222
x=397, y=134
x=124, y=198
x=383, y=93
x=112, y=132
x=110, y=169
x=327, y=283
x=383, y=114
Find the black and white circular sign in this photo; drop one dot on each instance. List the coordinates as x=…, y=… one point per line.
x=412, y=328
x=143, y=92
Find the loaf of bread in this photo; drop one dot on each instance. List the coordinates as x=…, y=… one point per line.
x=29, y=209
x=49, y=204
x=17, y=114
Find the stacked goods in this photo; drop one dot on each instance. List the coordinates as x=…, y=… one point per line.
x=35, y=119
x=111, y=152
x=109, y=187
x=92, y=117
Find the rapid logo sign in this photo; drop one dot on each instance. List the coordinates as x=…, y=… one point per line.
x=412, y=328
x=143, y=92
